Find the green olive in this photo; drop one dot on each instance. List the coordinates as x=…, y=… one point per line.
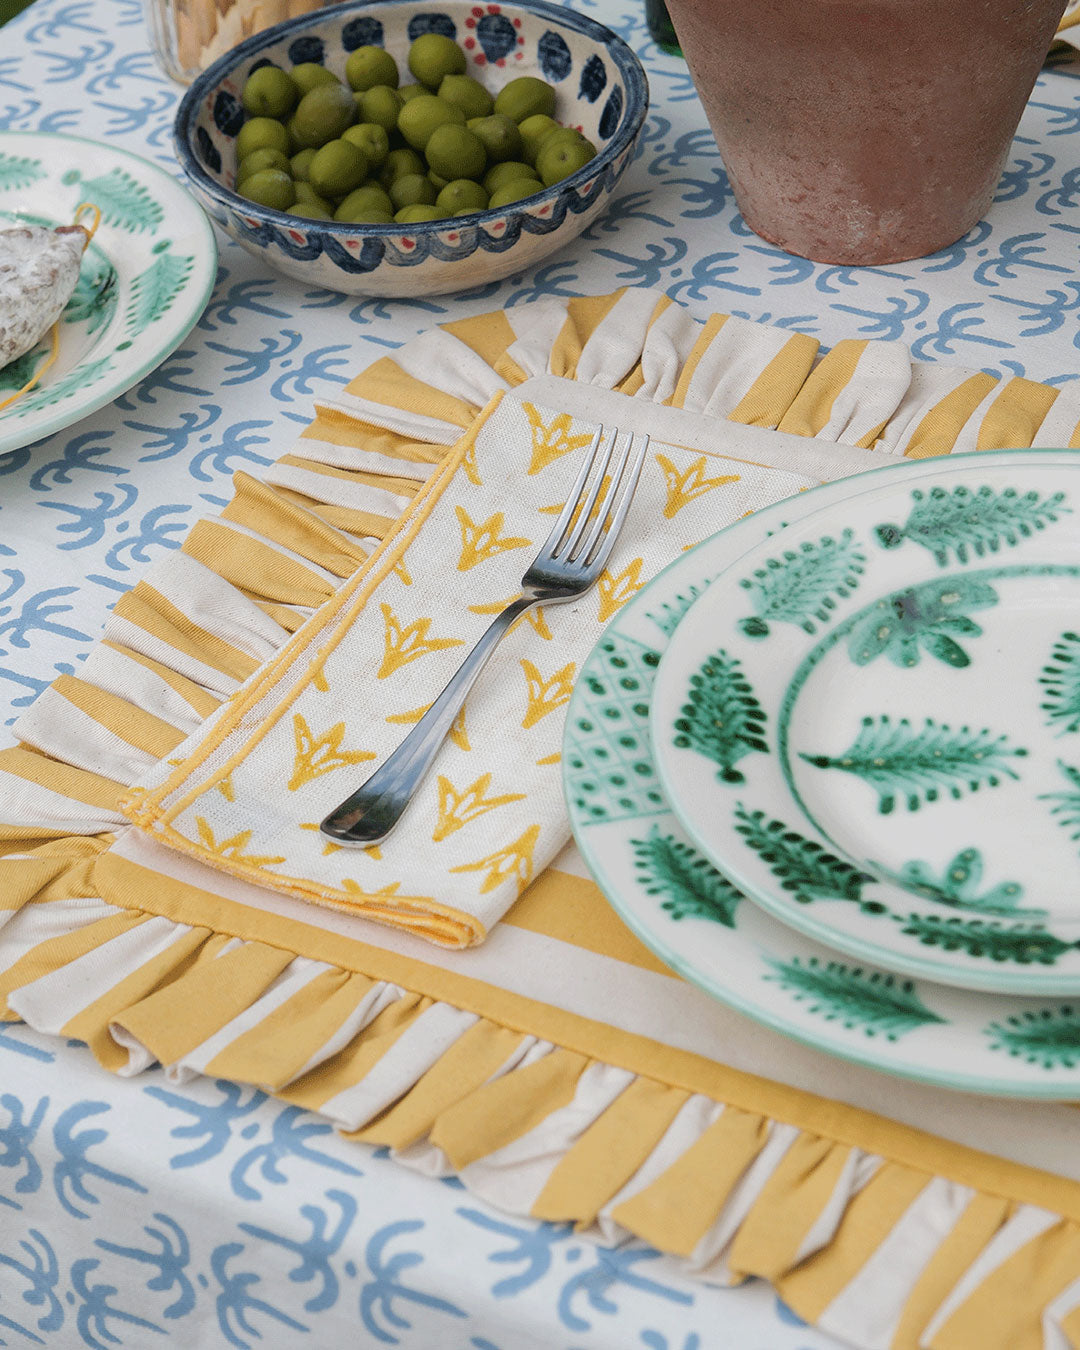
x=309, y=74
x=534, y=132
x=455, y=152
x=508, y=172
x=410, y=215
x=434, y=55
x=261, y=133
x=338, y=168
x=513, y=192
x=270, y=187
x=468, y=94
x=306, y=193
x=421, y=116
x=381, y=106
x=400, y=162
x=410, y=91
x=461, y=195
x=369, y=66
x=436, y=180
x=500, y=135
x=525, y=97
x=300, y=164
x=412, y=189
x=269, y=92
x=323, y=114
x=561, y=155
x=372, y=141
x=266, y=158
x=311, y=210
x=368, y=204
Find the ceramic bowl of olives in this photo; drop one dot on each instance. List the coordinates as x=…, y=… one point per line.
x=398, y=148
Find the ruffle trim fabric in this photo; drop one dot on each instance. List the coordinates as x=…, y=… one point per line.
x=869, y=1248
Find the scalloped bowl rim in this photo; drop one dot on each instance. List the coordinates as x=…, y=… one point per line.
x=622, y=54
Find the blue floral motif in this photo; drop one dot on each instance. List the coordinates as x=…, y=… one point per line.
x=73, y=1169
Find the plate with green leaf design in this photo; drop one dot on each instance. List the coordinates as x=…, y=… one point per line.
x=872, y=724
x=145, y=278
x=694, y=918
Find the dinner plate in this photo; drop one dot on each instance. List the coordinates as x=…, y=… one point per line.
x=700, y=924
x=145, y=278
x=872, y=724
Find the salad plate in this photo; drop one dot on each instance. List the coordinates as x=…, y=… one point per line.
x=145, y=278
x=696, y=920
x=871, y=724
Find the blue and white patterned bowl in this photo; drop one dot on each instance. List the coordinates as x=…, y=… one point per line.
x=600, y=87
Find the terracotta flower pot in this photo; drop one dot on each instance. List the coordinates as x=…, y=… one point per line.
x=864, y=131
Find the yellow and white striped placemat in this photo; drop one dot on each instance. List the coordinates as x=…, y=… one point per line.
x=557, y=1068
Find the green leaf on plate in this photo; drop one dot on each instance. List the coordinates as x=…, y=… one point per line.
x=672, y=612
x=17, y=172
x=153, y=291
x=930, y=616
x=916, y=765
x=966, y=522
x=871, y=1001
x=667, y=866
x=1021, y=944
x=1049, y=1037
x=958, y=885
x=1060, y=679
x=1067, y=804
x=721, y=718
x=122, y=200
x=802, y=585
x=803, y=867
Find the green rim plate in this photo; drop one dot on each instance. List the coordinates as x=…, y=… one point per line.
x=700, y=924
x=872, y=725
x=145, y=279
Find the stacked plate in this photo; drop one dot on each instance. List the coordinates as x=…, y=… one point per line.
x=827, y=766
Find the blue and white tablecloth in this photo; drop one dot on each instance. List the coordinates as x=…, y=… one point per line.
x=132, y=1212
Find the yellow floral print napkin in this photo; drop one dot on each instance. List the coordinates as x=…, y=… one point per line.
x=247, y=791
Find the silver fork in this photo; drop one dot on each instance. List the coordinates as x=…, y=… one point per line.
x=571, y=559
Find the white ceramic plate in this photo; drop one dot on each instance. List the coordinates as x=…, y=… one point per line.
x=701, y=925
x=872, y=724
x=145, y=278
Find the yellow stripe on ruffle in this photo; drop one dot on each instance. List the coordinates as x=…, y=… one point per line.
x=1008, y=1307
x=771, y=395
x=812, y=406
x=92, y=1023
x=680, y=1206
x=473, y=1058
x=364, y=524
x=194, y=695
x=132, y=724
x=332, y=427
x=584, y=315
x=868, y=1220
x=937, y=431
x=790, y=1202
x=712, y=326
x=59, y=951
x=488, y=335
x=63, y=870
x=177, y=1018
x=255, y=567
x=352, y=1064
x=92, y=789
x=982, y=1218
x=609, y=1152
x=1015, y=415
x=504, y=1110
x=266, y=511
x=385, y=382
x=149, y=610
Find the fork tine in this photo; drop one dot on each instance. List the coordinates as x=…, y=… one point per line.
x=625, y=491
x=591, y=530
x=581, y=525
x=566, y=515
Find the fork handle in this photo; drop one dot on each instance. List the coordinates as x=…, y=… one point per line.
x=378, y=804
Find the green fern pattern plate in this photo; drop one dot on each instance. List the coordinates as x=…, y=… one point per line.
x=145, y=278
x=697, y=920
x=871, y=723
